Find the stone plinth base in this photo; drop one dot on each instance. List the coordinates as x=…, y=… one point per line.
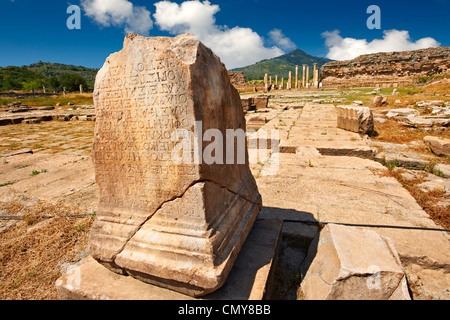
x=248, y=279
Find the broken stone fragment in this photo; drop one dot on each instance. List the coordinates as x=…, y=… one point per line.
x=439, y=146
x=176, y=224
x=401, y=112
x=417, y=122
x=348, y=263
x=261, y=102
x=430, y=103
x=355, y=119
x=379, y=101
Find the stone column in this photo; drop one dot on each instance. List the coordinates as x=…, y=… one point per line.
x=276, y=82
x=282, y=83
x=304, y=75
x=307, y=76
x=316, y=76
x=81, y=89
x=316, y=83
x=43, y=89
x=314, y=73
x=265, y=82
x=296, y=77
x=289, y=84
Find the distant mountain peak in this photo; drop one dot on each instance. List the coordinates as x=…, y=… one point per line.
x=280, y=66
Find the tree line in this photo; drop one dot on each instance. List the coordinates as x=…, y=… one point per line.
x=54, y=77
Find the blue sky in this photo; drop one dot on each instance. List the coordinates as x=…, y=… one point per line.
x=240, y=32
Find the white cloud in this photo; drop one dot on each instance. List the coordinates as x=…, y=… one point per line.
x=281, y=40
x=393, y=40
x=190, y=16
x=119, y=13
x=236, y=47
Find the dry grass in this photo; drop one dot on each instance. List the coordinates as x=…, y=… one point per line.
x=438, y=88
x=393, y=132
x=32, y=251
x=75, y=98
x=429, y=201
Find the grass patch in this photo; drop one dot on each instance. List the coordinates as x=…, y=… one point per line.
x=390, y=164
x=31, y=260
x=76, y=99
x=36, y=172
x=393, y=132
x=7, y=184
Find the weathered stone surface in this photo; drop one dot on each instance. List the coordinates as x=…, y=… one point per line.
x=179, y=226
x=247, y=105
x=379, y=101
x=355, y=119
x=417, y=122
x=401, y=112
x=261, y=102
x=444, y=168
x=253, y=103
x=256, y=122
x=430, y=103
x=250, y=277
x=347, y=263
x=439, y=146
x=237, y=78
x=386, y=69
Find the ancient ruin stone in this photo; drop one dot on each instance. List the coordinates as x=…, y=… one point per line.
x=379, y=101
x=177, y=224
x=237, y=78
x=261, y=102
x=247, y=105
x=348, y=263
x=258, y=102
x=355, y=119
x=401, y=113
x=386, y=69
x=439, y=146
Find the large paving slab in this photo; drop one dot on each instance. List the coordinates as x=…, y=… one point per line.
x=34, y=116
x=57, y=178
x=352, y=190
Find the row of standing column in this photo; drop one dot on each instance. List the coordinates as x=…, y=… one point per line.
x=305, y=79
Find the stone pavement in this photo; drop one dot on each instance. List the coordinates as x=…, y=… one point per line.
x=328, y=176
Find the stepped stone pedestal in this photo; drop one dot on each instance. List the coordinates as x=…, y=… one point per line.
x=166, y=215
x=251, y=277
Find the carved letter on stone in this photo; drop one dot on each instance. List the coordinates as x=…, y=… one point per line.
x=177, y=224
